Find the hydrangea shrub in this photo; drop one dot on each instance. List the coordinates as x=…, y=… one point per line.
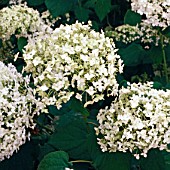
x=18, y=106
x=20, y=20
x=157, y=12
x=73, y=57
x=137, y=121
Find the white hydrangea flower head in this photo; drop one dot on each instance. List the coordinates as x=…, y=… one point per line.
x=137, y=121
x=125, y=33
x=18, y=106
x=157, y=12
x=73, y=57
x=143, y=32
x=21, y=21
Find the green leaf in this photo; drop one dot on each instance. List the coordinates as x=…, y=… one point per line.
x=35, y=2
x=44, y=150
x=58, y=160
x=93, y=148
x=167, y=159
x=113, y=161
x=59, y=7
x=4, y=2
x=102, y=8
x=105, y=160
x=67, y=118
x=82, y=14
x=157, y=85
x=154, y=161
x=22, y=160
x=90, y=4
x=72, y=139
x=132, y=55
x=78, y=107
x=167, y=52
x=155, y=53
x=22, y=41
x=166, y=32
x=132, y=18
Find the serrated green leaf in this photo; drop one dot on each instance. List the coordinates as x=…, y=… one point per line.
x=72, y=139
x=59, y=7
x=102, y=8
x=132, y=55
x=132, y=18
x=35, y=2
x=58, y=160
x=82, y=14
x=22, y=41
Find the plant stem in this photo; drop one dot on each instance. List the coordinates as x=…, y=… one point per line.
x=92, y=123
x=81, y=161
x=164, y=60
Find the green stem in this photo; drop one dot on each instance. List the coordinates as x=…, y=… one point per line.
x=164, y=60
x=81, y=161
x=92, y=123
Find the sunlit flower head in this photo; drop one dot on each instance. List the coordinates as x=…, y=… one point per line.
x=18, y=106
x=137, y=121
x=73, y=57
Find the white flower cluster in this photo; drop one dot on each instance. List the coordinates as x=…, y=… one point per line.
x=73, y=57
x=152, y=35
x=20, y=20
x=16, y=2
x=143, y=32
x=157, y=12
x=125, y=33
x=136, y=121
x=18, y=106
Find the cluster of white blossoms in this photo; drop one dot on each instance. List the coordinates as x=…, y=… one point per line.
x=21, y=21
x=125, y=33
x=18, y=106
x=157, y=12
x=73, y=60
x=137, y=121
x=142, y=32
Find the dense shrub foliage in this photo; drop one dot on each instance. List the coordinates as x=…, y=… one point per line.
x=84, y=84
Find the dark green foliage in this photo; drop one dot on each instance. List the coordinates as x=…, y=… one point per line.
x=24, y=159
x=21, y=43
x=132, y=18
x=68, y=134
x=154, y=161
x=72, y=139
x=35, y=3
x=82, y=14
x=55, y=161
x=133, y=55
x=102, y=8
x=59, y=7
